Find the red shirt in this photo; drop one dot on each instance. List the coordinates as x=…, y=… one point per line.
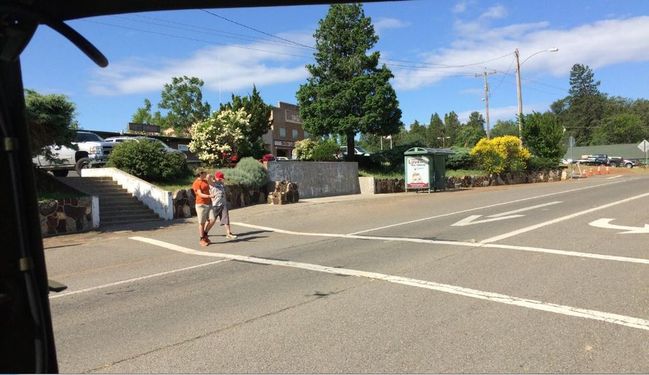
x=203, y=187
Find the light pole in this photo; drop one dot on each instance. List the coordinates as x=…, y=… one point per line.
x=518, y=85
x=443, y=141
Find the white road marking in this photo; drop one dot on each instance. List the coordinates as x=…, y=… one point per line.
x=618, y=319
x=614, y=177
x=560, y=219
x=606, y=223
x=473, y=219
x=483, y=207
x=454, y=243
x=54, y=296
x=525, y=209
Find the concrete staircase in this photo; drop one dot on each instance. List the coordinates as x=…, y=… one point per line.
x=116, y=205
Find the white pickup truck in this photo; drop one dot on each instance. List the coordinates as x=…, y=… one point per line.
x=93, y=151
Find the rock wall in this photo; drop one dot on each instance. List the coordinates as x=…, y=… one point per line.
x=383, y=186
x=283, y=192
x=64, y=216
x=237, y=196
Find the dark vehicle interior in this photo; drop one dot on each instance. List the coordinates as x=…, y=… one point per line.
x=27, y=344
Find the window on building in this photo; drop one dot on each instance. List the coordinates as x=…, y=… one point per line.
x=294, y=133
x=282, y=132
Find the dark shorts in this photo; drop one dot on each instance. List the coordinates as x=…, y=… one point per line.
x=221, y=213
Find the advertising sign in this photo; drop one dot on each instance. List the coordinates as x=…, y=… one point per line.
x=417, y=172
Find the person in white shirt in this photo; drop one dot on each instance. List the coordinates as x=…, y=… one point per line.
x=219, y=202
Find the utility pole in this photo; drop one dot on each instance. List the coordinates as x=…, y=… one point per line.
x=519, y=94
x=485, y=74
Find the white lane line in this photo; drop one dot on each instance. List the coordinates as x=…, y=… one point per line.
x=483, y=207
x=618, y=319
x=614, y=177
x=525, y=209
x=560, y=219
x=455, y=243
x=54, y=296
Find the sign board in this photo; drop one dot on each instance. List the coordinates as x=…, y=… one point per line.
x=147, y=128
x=644, y=146
x=182, y=147
x=417, y=172
x=284, y=143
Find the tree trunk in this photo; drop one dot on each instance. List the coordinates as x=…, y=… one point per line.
x=351, y=152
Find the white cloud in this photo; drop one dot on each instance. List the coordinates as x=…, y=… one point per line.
x=494, y=12
x=460, y=7
x=597, y=44
x=222, y=68
x=382, y=24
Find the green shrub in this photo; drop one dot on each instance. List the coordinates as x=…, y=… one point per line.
x=320, y=150
x=461, y=159
x=249, y=173
x=391, y=160
x=325, y=150
x=148, y=161
x=536, y=163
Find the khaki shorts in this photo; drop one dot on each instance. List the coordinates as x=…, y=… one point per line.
x=204, y=213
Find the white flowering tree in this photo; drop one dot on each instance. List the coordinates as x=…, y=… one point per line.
x=214, y=139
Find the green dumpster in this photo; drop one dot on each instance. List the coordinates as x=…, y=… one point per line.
x=425, y=168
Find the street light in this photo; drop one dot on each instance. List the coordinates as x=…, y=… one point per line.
x=518, y=85
x=443, y=141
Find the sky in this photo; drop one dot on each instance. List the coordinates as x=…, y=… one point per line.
x=437, y=51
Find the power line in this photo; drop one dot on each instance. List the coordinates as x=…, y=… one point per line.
x=192, y=39
x=195, y=28
x=257, y=30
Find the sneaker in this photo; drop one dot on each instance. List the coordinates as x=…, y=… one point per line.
x=231, y=236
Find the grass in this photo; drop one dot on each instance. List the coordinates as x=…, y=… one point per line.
x=178, y=184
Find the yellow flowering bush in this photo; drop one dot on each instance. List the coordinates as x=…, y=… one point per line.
x=501, y=154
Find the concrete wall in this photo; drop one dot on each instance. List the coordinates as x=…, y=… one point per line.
x=317, y=178
x=160, y=201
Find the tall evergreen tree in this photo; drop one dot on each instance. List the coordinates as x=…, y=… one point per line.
x=586, y=104
x=473, y=131
x=436, y=132
x=347, y=93
x=451, y=127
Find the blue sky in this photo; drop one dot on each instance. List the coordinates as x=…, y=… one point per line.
x=435, y=49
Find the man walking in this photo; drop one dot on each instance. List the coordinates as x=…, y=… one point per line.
x=203, y=207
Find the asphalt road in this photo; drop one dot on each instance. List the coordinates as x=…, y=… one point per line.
x=550, y=277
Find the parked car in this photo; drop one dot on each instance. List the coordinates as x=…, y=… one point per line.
x=92, y=151
x=358, y=151
x=597, y=159
x=619, y=161
x=164, y=146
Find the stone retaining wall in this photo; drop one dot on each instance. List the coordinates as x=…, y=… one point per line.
x=383, y=186
x=64, y=216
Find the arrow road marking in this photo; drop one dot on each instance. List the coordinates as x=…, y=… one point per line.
x=606, y=223
x=501, y=216
x=470, y=220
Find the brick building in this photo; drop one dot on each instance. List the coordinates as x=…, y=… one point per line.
x=286, y=129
